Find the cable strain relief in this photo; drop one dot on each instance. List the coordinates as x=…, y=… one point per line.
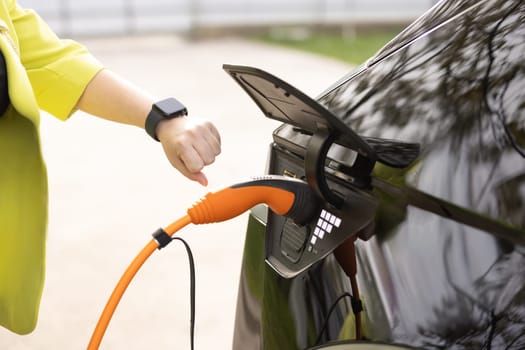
x=201, y=212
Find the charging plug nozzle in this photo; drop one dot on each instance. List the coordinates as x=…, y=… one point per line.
x=284, y=195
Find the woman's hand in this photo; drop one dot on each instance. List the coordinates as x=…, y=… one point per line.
x=190, y=144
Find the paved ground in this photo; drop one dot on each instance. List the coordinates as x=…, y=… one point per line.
x=111, y=187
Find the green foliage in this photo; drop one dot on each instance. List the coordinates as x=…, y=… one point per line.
x=355, y=48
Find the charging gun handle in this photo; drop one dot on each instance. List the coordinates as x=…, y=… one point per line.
x=285, y=196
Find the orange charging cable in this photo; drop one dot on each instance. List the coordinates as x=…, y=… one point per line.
x=125, y=280
x=281, y=194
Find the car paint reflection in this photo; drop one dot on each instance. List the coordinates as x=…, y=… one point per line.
x=426, y=280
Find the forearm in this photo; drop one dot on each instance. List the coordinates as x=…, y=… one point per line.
x=112, y=98
x=189, y=143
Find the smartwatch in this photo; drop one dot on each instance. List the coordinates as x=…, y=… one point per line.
x=165, y=109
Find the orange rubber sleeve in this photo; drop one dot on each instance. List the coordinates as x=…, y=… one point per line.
x=125, y=280
x=230, y=202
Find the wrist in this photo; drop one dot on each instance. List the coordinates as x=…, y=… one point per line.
x=162, y=111
x=166, y=128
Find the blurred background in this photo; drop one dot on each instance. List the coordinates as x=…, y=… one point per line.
x=78, y=17
x=110, y=185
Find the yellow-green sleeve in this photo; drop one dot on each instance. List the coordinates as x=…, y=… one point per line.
x=59, y=70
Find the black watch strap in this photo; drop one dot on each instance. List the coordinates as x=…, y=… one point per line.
x=165, y=109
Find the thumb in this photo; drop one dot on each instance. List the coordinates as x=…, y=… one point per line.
x=199, y=177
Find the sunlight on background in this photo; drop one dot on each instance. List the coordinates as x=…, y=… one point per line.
x=125, y=16
x=330, y=27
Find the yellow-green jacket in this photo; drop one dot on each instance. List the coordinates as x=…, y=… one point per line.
x=43, y=73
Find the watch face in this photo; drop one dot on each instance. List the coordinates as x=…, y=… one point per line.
x=170, y=107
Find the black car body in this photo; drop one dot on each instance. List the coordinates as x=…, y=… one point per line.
x=442, y=263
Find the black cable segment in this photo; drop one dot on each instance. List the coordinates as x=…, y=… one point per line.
x=163, y=239
x=192, y=290
x=356, y=308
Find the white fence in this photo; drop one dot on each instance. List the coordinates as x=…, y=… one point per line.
x=81, y=17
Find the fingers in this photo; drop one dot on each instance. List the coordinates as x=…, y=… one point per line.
x=197, y=176
x=200, y=178
x=190, y=144
x=207, y=143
